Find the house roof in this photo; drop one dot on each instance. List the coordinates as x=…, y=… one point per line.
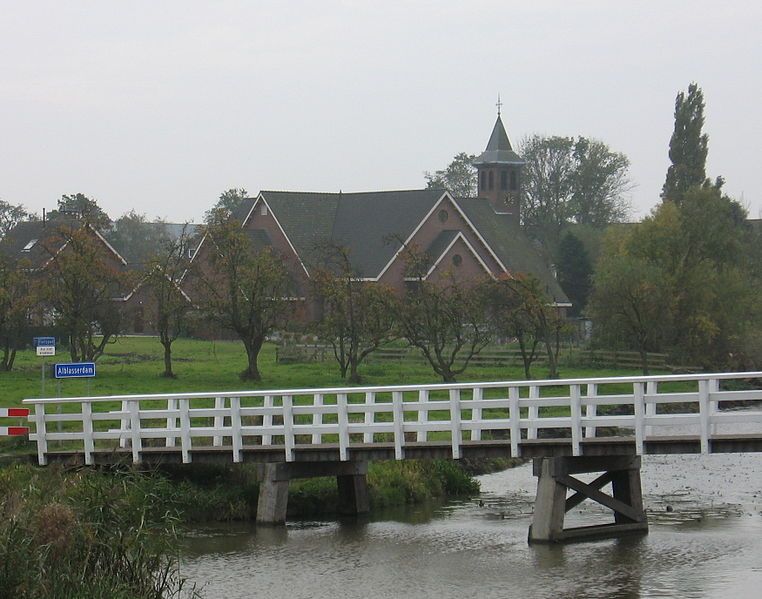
x=498, y=150
x=374, y=225
x=22, y=235
x=369, y=224
x=510, y=244
x=440, y=243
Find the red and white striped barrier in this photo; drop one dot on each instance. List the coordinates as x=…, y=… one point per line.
x=14, y=431
x=14, y=412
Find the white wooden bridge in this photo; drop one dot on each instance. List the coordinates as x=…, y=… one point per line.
x=574, y=425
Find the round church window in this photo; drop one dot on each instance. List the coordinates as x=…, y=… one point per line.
x=457, y=260
x=443, y=216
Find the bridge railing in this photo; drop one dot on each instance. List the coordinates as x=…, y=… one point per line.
x=399, y=416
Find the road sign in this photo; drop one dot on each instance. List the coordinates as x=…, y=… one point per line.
x=76, y=370
x=46, y=350
x=44, y=341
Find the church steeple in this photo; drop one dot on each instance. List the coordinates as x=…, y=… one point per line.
x=499, y=171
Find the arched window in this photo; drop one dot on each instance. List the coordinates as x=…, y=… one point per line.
x=483, y=180
x=514, y=181
x=491, y=180
x=503, y=180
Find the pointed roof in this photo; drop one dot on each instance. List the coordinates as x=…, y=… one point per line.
x=499, y=150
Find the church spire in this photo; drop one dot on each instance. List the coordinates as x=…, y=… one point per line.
x=499, y=171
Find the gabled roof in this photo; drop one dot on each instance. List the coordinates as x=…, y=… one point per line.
x=499, y=150
x=510, y=244
x=21, y=236
x=49, y=237
x=374, y=225
x=370, y=224
x=442, y=243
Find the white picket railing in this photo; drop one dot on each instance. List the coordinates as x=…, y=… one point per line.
x=352, y=416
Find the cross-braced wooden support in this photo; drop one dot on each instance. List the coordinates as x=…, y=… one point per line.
x=555, y=479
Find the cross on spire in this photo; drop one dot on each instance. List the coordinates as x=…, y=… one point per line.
x=499, y=105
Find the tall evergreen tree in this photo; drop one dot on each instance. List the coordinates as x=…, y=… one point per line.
x=687, y=147
x=574, y=272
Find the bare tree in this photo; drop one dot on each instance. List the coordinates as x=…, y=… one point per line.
x=522, y=309
x=171, y=305
x=446, y=320
x=11, y=215
x=357, y=318
x=82, y=284
x=244, y=290
x=16, y=302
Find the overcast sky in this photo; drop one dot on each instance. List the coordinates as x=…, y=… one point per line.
x=159, y=106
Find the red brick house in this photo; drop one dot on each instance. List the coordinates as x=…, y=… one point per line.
x=470, y=237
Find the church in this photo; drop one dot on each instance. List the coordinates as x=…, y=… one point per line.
x=464, y=237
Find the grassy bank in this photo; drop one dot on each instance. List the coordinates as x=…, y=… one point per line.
x=85, y=534
x=113, y=533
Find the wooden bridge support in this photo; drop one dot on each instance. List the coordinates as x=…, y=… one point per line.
x=351, y=478
x=552, y=504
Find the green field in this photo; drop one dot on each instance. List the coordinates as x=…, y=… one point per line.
x=133, y=365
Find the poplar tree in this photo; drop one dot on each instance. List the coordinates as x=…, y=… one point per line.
x=574, y=272
x=687, y=147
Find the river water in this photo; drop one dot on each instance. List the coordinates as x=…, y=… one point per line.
x=705, y=540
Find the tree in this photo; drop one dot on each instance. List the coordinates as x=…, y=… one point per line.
x=512, y=321
x=357, y=318
x=79, y=206
x=227, y=205
x=548, y=183
x=632, y=304
x=171, y=305
x=688, y=146
x=133, y=234
x=82, y=284
x=689, y=277
x=600, y=183
x=244, y=290
x=10, y=216
x=526, y=312
x=446, y=321
x=569, y=180
x=459, y=178
x=574, y=272
x=703, y=246
x=16, y=303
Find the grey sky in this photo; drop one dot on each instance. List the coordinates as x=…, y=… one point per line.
x=159, y=106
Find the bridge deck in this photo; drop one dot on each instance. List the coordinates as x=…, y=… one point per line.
x=325, y=452
x=722, y=411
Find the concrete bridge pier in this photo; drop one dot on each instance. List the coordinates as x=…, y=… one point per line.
x=554, y=479
x=351, y=479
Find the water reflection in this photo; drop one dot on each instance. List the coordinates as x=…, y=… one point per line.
x=706, y=545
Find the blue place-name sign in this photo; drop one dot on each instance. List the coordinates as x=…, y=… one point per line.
x=77, y=370
x=44, y=341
